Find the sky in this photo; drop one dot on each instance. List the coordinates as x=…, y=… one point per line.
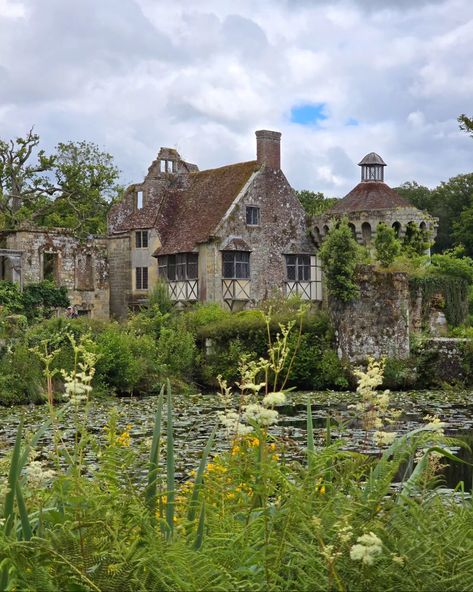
x=338, y=78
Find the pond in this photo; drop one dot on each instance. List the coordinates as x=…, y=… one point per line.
x=196, y=415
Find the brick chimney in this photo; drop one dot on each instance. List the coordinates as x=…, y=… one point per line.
x=268, y=148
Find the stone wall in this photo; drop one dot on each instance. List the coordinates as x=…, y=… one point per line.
x=120, y=275
x=443, y=359
x=377, y=324
x=282, y=230
x=81, y=267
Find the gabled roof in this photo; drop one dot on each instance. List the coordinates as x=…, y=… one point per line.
x=188, y=216
x=373, y=195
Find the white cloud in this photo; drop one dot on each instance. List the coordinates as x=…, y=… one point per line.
x=137, y=74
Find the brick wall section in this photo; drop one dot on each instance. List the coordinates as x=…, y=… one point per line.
x=377, y=324
x=120, y=275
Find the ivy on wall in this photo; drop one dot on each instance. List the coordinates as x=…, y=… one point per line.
x=454, y=292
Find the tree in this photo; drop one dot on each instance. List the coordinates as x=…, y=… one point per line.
x=386, y=244
x=340, y=254
x=72, y=188
x=416, y=240
x=466, y=124
x=25, y=185
x=418, y=195
x=314, y=202
x=86, y=179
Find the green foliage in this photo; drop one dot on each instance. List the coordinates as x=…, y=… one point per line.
x=418, y=195
x=86, y=179
x=235, y=335
x=36, y=300
x=453, y=263
x=72, y=188
x=454, y=291
x=20, y=376
x=466, y=124
x=248, y=520
x=314, y=202
x=416, y=240
x=25, y=187
x=386, y=244
x=176, y=351
x=127, y=363
x=400, y=374
x=10, y=297
x=40, y=299
x=340, y=255
x=159, y=298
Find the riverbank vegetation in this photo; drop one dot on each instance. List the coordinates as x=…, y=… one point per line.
x=248, y=518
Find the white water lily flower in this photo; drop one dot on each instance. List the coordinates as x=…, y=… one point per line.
x=272, y=399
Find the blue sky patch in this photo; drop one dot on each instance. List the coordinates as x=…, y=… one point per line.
x=308, y=114
x=352, y=121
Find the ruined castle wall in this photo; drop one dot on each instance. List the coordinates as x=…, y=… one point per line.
x=79, y=266
x=377, y=324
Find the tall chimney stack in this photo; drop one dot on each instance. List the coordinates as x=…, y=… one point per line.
x=268, y=148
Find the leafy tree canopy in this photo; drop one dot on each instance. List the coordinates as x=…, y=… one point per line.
x=72, y=188
x=314, y=202
x=466, y=124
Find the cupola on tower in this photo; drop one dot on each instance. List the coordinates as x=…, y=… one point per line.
x=372, y=167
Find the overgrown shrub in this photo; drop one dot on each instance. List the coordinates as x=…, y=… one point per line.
x=127, y=363
x=176, y=352
x=340, y=254
x=21, y=379
x=386, y=244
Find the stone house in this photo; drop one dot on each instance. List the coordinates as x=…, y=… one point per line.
x=371, y=202
x=30, y=255
x=234, y=235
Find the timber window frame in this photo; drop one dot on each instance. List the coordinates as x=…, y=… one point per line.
x=236, y=265
x=141, y=239
x=141, y=278
x=179, y=266
x=298, y=268
x=253, y=216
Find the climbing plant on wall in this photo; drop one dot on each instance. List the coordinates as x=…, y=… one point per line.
x=454, y=291
x=340, y=254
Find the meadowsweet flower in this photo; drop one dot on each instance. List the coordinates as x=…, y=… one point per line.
x=37, y=475
x=368, y=547
x=260, y=415
x=435, y=424
x=384, y=438
x=272, y=399
x=398, y=559
x=233, y=426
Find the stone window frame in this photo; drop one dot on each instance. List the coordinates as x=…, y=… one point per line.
x=141, y=239
x=298, y=265
x=236, y=265
x=253, y=215
x=179, y=266
x=54, y=277
x=141, y=278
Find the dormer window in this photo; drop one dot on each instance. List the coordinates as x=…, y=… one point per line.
x=253, y=217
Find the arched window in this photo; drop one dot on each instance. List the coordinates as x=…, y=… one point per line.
x=366, y=232
x=352, y=227
x=397, y=228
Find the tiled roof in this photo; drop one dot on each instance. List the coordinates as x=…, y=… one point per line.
x=369, y=195
x=188, y=216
